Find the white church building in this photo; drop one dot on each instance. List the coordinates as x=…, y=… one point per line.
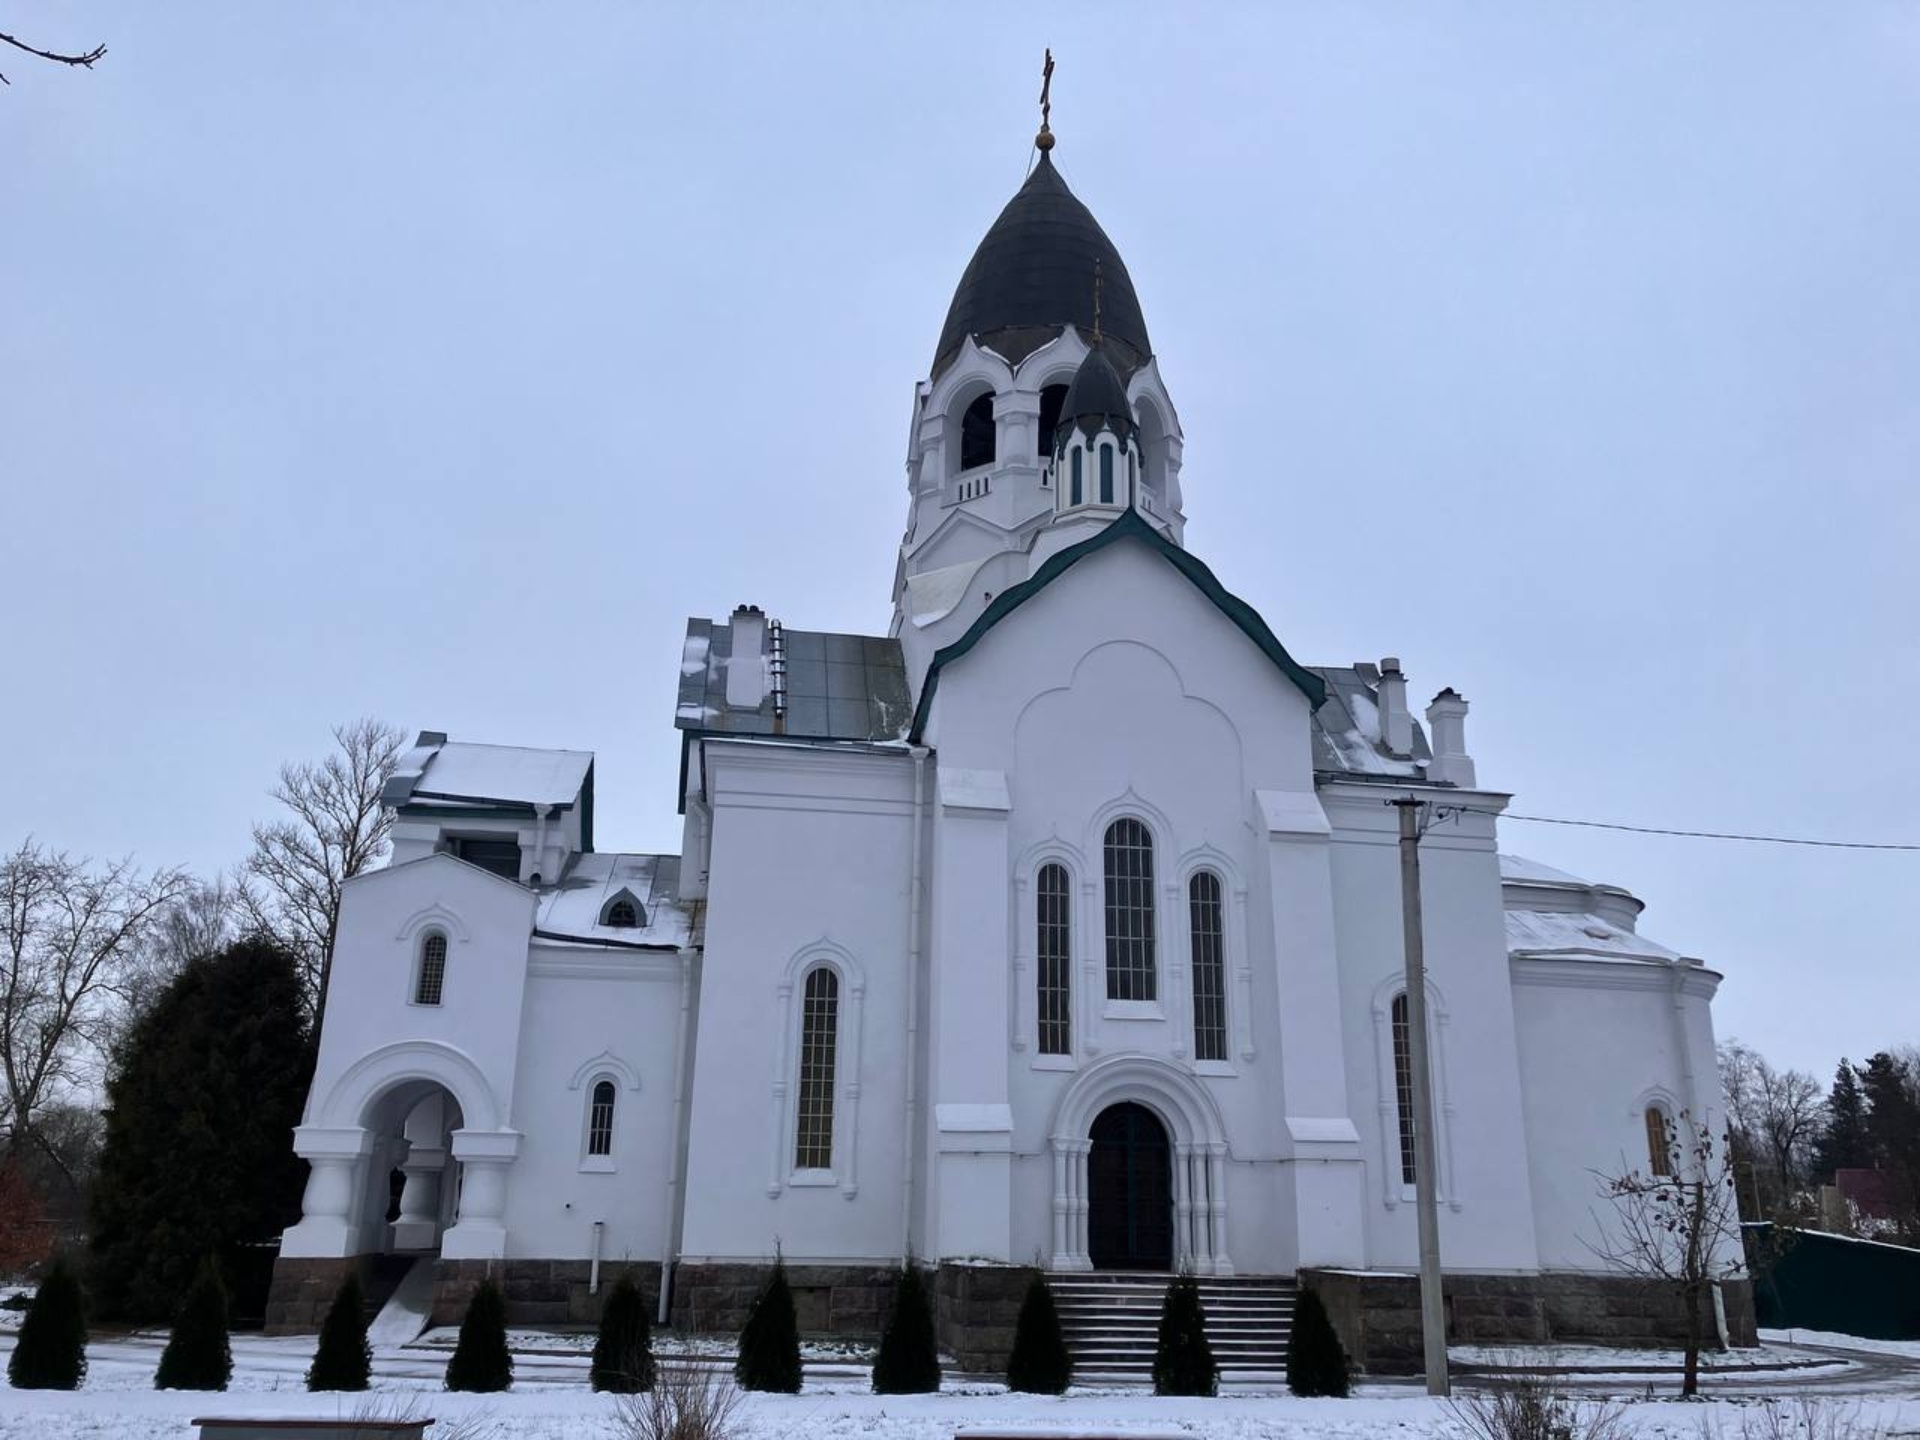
x=1058, y=923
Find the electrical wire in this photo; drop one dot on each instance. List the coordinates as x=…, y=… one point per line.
x=1696, y=834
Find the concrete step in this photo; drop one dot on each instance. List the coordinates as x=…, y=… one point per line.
x=1111, y=1321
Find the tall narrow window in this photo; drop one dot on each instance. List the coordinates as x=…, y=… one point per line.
x=819, y=1036
x=1056, y=961
x=1106, y=474
x=1659, y=1141
x=1209, y=967
x=600, y=1120
x=1052, y=398
x=432, y=978
x=1075, y=490
x=1129, y=856
x=1403, y=1086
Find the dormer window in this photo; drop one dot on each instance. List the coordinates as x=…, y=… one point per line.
x=977, y=438
x=623, y=912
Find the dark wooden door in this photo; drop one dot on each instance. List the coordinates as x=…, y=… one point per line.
x=1129, y=1191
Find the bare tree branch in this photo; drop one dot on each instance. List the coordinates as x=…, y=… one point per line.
x=84, y=60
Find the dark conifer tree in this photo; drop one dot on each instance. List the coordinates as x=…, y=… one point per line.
x=481, y=1361
x=769, y=1356
x=1843, y=1144
x=51, y=1351
x=1182, y=1358
x=909, y=1358
x=1316, y=1361
x=344, y=1360
x=623, y=1353
x=196, y=1158
x=198, y=1355
x=1039, y=1364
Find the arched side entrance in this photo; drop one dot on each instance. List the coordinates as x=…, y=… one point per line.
x=1189, y=1128
x=1129, y=1190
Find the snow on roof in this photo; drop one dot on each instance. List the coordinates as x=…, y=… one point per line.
x=1346, y=729
x=1519, y=868
x=1549, y=933
x=572, y=909
x=511, y=773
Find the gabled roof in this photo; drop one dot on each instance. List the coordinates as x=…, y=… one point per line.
x=437, y=768
x=1129, y=526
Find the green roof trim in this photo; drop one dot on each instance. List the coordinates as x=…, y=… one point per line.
x=1128, y=526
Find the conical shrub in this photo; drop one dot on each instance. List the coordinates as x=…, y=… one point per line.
x=481, y=1361
x=1316, y=1361
x=51, y=1351
x=198, y=1355
x=1039, y=1364
x=623, y=1355
x=769, y=1356
x=909, y=1358
x=1182, y=1358
x=344, y=1360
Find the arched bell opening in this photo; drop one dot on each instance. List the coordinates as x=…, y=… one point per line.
x=412, y=1180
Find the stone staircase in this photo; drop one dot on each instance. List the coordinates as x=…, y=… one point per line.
x=1111, y=1318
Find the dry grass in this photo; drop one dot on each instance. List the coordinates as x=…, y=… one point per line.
x=687, y=1402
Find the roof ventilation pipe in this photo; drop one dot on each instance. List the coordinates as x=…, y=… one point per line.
x=747, y=665
x=1396, y=723
x=1447, y=723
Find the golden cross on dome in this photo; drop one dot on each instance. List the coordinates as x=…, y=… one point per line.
x=1044, y=140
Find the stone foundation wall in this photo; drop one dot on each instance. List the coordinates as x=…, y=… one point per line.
x=538, y=1292
x=974, y=1311
x=1378, y=1315
x=849, y=1300
x=302, y=1291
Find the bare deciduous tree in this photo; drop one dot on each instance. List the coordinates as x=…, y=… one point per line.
x=1680, y=1230
x=337, y=828
x=82, y=58
x=72, y=935
x=1774, y=1116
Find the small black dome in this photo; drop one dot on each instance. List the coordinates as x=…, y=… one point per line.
x=1033, y=275
x=1097, y=397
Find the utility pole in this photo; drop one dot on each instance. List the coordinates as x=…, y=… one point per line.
x=1433, y=1317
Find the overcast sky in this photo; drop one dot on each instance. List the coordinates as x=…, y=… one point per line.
x=435, y=362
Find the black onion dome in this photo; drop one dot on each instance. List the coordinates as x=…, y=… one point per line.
x=1033, y=275
x=1096, y=398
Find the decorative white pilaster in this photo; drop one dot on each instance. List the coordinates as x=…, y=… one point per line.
x=1216, y=1167
x=479, y=1232
x=1184, y=1257
x=1087, y=938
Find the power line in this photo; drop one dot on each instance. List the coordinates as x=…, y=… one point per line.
x=1703, y=834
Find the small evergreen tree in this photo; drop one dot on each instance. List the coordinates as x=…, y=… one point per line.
x=481, y=1361
x=1316, y=1361
x=909, y=1358
x=623, y=1355
x=1182, y=1358
x=1039, y=1364
x=51, y=1352
x=1843, y=1144
x=769, y=1356
x=344, y=1360
x=198, y=1355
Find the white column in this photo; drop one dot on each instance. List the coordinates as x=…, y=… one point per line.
x=1182, y=1207
x=1077, y=1153
x=1060, y=1256
x=480, y=1231
x=329, y=1221
x=419, y=1223
x=1216, y=1161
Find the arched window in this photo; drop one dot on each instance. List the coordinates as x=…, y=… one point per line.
x=1076, y=490
x=1106, y=474
x=976, y=433
x=1129, y=857
x=621, y=913
x=1660, y=1141
x=1403, y=1087
x=819, y=1041
x=432, y=976
x=600, y=1119
x=1209, y=967
x=1052, y=398
x=1055, y=949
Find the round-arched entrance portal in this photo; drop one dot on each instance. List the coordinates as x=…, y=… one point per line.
x=1129, y=1191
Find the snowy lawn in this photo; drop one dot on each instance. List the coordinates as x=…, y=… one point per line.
x=550, y=1401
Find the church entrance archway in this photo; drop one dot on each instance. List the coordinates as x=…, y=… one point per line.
x=1129, y=1191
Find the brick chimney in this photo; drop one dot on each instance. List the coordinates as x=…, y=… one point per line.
x=1396, y=724
x=747, y=666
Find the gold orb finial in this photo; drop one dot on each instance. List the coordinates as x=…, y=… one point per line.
x=1043, y=142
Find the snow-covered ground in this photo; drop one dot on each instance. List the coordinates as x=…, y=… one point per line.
x=551, y=1401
